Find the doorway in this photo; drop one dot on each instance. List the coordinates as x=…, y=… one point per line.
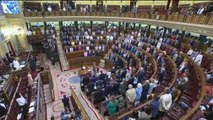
x=10, y=48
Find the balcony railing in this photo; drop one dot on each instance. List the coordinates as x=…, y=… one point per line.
x=195, y=19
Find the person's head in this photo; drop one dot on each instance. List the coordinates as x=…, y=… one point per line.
x=156, y=97
x=141, y=69
x=98, y=87
x=78, y=111
x=130, y=86
x=139, y=85
x=167, y=90
x=112, y=98
x=64, y=96
x=7, y=54
x=134, y=111
x=208, y=83
x=121, y=98
x=147, y=110
x=52, y=117
x=152, y=80
x=17, y=95
x=146, y=82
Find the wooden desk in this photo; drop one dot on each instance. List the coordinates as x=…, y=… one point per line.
x=83, y=72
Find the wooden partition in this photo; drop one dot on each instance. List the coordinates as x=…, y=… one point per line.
x=207, y=60
x=108, y=65
x=143, y=12
x=14, y=108
x=201, y=80
x=192, y=95
x=75, y=54
x=88, y=61
x=32, y=39
x=210, y=21
x=123, y=60
x=83, y=61
x=80, y=106
x=9, y=88
x=40, y=112
x=30, y=95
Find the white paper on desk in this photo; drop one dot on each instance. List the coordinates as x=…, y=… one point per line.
x=32, y=109
x=211, y=101
x=189, y=52
x=19, y=116
x=32, y=103
x=21, y=66
x=158, y=45
x=198, y=59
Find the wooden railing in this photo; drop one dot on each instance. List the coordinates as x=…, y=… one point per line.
x=136, y=59
x=123, y=60
x=80, y=106
x=201, y=81
x=153, y=61
x=40, y=111
x=119, y=116
x=195, y=19
x=119, y=57
x=14, y=108
x=202, y=94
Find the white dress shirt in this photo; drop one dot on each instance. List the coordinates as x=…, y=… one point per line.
x=21, y=101
x=165, y=102
x=49, y=9
x=131, y=95
x=16, y=64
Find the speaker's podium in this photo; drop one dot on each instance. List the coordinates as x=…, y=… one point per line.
x=102, y=63
x=84, y=71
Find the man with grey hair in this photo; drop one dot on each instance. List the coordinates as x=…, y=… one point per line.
x=130, y=95
x=165, y=102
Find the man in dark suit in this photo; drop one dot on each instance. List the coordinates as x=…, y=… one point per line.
x=146, y=87
x=90, y=88
x=3, y=110
x=102, y=76
x=161, y=73
x=141, y=75
x=66, y=103
x=99, y=95
x=108, y=89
